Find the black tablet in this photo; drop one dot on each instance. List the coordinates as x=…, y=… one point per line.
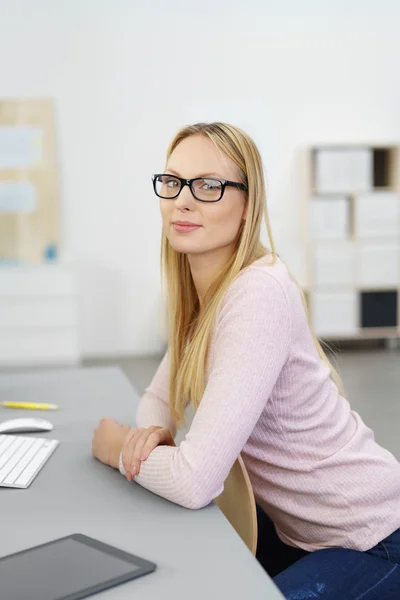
x=69, y=568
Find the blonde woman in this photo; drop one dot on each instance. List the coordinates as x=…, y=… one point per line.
x=241, y=351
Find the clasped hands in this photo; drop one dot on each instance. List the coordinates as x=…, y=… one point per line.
x=110, y=438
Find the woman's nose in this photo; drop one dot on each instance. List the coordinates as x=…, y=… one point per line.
x=185, y=199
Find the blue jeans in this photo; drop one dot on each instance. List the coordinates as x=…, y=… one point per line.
x=331, y=574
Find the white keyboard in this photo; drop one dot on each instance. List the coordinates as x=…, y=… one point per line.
x=21, y=459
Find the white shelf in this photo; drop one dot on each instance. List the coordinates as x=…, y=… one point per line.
x=352, y=232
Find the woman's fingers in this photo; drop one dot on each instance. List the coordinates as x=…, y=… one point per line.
x=140, y=444
x=136, y=452
x=152, y=442
x=127, y=449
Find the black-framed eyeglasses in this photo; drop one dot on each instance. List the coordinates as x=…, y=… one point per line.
x=205, y=189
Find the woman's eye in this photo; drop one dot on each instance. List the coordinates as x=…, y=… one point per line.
x=171, y=183
x=210, y=186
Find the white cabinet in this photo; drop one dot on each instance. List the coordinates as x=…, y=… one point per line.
x=39, y=315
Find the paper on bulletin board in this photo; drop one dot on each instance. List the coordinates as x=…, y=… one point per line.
x=29, y=187
x=20, y=147
x=16, y=197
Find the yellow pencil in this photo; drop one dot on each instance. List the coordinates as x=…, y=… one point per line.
x=30, y=405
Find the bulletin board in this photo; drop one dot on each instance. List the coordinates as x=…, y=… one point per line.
x=29, y=190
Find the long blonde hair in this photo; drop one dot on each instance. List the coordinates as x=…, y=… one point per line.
x=189, y=330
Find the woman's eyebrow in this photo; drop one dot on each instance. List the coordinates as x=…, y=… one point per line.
x=168, y=170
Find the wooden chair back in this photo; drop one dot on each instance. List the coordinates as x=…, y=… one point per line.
x=238, y=504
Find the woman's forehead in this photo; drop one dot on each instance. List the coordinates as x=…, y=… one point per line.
x=197, y=155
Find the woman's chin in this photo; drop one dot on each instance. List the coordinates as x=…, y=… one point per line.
x=185, y=249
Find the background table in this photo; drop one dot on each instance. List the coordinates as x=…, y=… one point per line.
x=197, y=552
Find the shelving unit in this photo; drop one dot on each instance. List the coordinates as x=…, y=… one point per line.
x=351, y=202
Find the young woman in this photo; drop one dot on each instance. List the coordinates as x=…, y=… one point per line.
x=241, y=351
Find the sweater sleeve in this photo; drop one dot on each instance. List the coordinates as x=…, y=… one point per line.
x=153, y=407
x=250, y=348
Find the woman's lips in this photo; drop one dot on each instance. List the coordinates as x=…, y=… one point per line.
x=181, y=228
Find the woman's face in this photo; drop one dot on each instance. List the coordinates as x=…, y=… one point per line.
x=218, y=222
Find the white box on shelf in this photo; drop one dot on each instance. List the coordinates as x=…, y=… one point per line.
x=335, y=314
x=378, y=265
x=330, y=217
x=334, y=264
x=377, y=214
x=340, y=170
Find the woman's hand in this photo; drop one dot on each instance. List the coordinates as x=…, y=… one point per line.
x=139, y=443
x=108, y=439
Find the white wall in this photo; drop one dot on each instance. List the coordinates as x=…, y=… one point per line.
x=126, y=74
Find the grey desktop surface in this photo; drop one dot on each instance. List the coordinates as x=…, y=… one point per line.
x=197, y=552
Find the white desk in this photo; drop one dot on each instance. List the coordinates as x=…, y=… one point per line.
x=197, y=552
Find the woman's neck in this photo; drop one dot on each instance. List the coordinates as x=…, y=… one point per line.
x=206, y=267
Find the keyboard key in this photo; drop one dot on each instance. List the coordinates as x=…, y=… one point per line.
x=5, y=442
x=36, y=464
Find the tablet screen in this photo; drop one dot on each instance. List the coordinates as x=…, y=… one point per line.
x=69, y=568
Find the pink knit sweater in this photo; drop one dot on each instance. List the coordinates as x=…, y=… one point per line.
x=314, y=465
